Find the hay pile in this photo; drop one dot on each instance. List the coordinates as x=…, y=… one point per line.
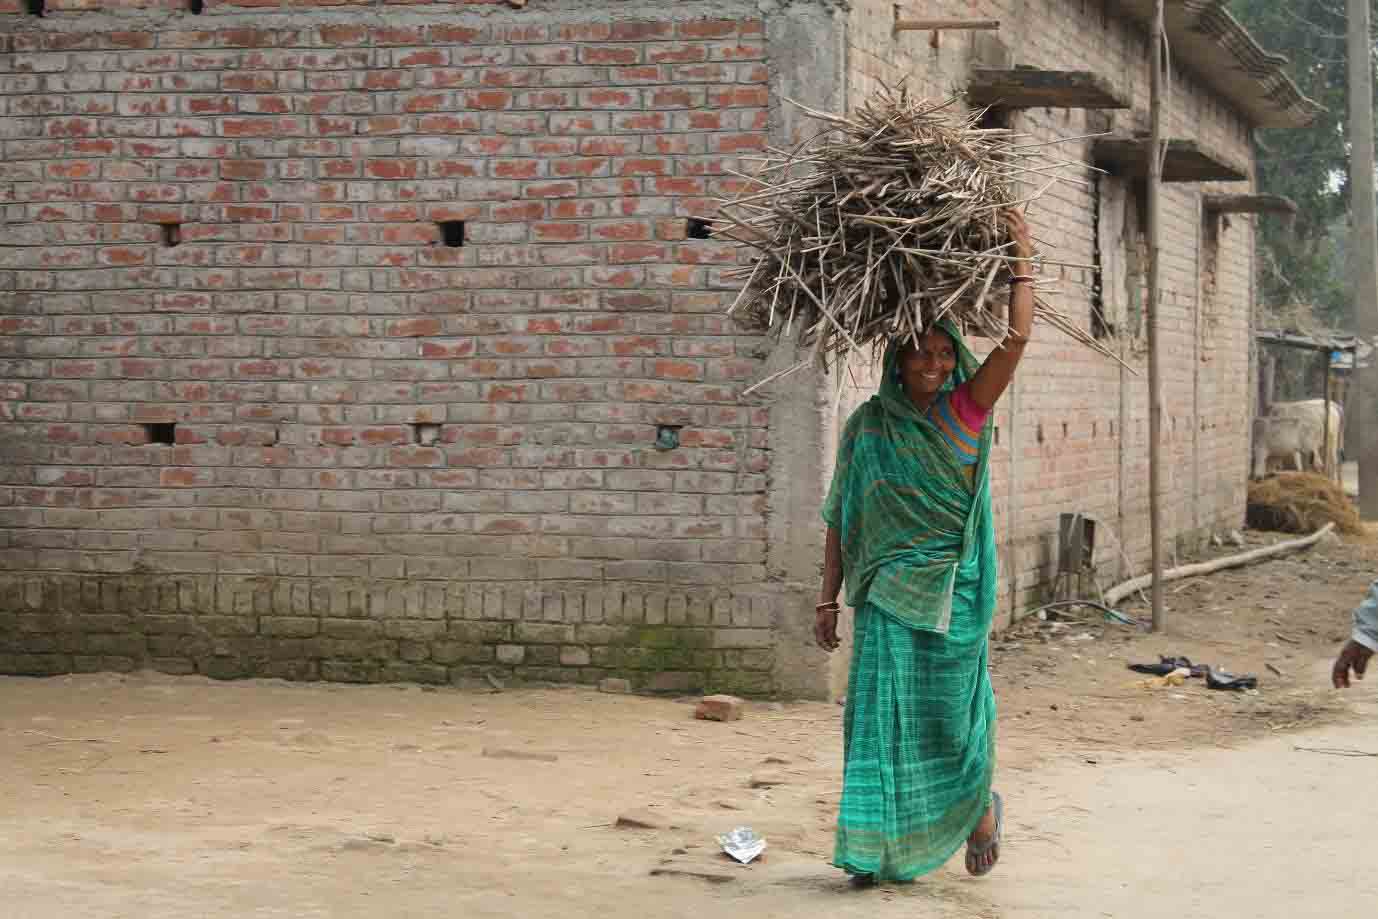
x=1301, y=502
x=887, y=222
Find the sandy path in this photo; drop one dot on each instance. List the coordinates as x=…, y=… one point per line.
x=152, y=797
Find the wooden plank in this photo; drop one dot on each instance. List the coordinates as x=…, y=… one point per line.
x=1250, y=204
x=1186, y=160
x=1027, y=87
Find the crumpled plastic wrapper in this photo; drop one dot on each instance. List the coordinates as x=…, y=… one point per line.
x=742, y=844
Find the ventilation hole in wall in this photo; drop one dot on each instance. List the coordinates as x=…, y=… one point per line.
x=698, y=228
x=667, y=436
x=1064, y=430
x=1112, y=429
x=37, y=7
x=1040, y=432
x=197, y=7
x=426, y=434
x=172, y=234
x=161, y=432
x=994, y=117
x=452, y=233
x=1095, y=426
x=997, y=437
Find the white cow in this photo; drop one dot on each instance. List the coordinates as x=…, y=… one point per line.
x=1295, y=431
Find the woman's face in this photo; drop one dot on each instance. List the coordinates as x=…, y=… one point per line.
x=925, y=367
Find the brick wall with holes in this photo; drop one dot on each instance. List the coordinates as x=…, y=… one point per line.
x=1072, y=437
x=380, y=344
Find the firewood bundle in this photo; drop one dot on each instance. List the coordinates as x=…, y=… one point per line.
x=886, y=222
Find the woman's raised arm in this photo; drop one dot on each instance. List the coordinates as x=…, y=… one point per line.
x=995, y=374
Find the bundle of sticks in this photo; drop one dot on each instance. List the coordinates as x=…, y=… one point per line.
x=888, y=221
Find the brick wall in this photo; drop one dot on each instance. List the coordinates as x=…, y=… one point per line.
x=263, y=416
x=395, y=457
x=1073, y=431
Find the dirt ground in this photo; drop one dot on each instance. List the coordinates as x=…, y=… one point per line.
x=152, y=797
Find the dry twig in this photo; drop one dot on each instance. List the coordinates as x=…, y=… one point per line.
x=1335, y=751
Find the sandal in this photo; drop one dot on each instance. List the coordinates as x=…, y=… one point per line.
x=992, y=846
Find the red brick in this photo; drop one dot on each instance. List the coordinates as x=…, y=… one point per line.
x=610, y=55
x=245, y=38
x=674, y=97
x=183, y=478
x=516, y=169
x=522, y=211
x=551, y=190
x=642, y=122
x=450, y=124
x=456, y=35
x=645, y=166
x=488, y=100
x=414, y=328
x=442, y=349
x=676, y=54
x=415, y=456
x=423, y=57
x=739, y=97
x=709, y=28
x=677, y=370
x=640, y=31
x=388, y=436
x=399, y=36
x=559, y=232
x=391, y=169
x=456, y=168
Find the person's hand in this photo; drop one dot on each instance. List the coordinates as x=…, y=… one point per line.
x=1353, y=656
x=825, y=627
x=1019, y=234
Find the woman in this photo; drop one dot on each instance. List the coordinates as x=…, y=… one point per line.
x=909, y=525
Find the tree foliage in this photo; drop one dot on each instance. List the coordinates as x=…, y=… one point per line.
x=1304, y=263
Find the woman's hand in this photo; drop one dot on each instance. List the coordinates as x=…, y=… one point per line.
x=1022, y=239
x=825, y=627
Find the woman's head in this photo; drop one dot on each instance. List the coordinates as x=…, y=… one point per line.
x=924, y=367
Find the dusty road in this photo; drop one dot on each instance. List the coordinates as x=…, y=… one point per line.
x=149, y=797
x=181, y=798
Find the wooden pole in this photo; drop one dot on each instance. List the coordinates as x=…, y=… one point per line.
x=1267, y=384
x=1116, y=594
x=947, y=25
x=1325, y=427
x=1364, y=238
x=1155, y=368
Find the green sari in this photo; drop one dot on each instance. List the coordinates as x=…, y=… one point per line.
x=919, y=558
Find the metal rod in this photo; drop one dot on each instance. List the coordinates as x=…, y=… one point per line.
x=1365, y=242
x=1155, y=364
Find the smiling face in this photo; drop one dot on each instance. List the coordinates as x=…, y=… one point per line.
x=925, y=368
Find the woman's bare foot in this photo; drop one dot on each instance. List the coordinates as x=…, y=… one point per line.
x=983, y=845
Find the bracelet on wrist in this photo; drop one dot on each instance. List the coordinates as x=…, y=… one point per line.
x=1022, y=279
